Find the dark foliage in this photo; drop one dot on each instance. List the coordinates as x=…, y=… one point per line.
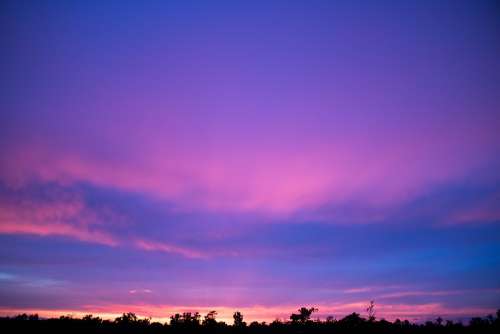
x=300, y=323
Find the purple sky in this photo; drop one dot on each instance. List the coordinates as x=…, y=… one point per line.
x=193, y=155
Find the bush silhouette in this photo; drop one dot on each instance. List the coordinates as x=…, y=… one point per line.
x=189, y=323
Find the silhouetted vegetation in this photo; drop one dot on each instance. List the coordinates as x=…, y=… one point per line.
x=300, y=323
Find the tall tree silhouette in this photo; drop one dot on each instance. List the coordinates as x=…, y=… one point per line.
x=371, y=311
x=238, y=320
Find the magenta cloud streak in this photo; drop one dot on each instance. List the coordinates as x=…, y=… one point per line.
x=277, y=178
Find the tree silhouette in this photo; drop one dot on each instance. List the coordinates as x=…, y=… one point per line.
x=303, y=316
x=238, y=320
x=185, y=320
x=209, y=319
x=353, y=320
x=126, y=319
x=92, y=320
x=371, y=311
x=189, y=323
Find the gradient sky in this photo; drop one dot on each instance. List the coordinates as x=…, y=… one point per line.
x=164, y=156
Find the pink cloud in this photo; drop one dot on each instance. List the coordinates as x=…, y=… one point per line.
x=483, y=211
x=58, y=230
x=139, y=291
x=73, y=219
x=168, y=248
x=378, y=170
x=358, y=290
x=63, y=218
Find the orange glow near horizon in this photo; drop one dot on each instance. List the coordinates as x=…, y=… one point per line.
x=162, y=313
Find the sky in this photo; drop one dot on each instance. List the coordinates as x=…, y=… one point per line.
x=168, y=156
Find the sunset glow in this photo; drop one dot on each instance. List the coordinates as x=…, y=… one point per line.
x=160, y=157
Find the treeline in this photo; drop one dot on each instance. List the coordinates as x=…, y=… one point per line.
x=299, y=323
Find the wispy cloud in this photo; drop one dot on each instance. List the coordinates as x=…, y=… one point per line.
x=139, y=291
x=168, y=248
x=61, y=218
